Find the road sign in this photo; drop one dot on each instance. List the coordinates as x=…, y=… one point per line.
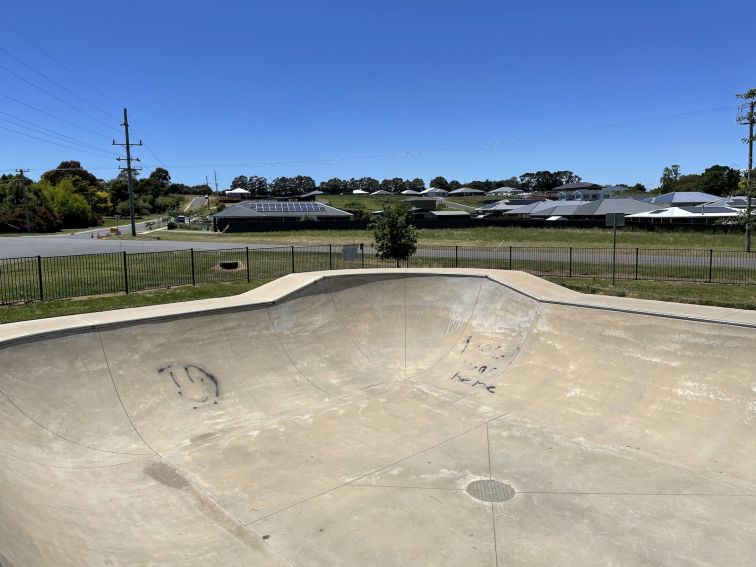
x=615, y=219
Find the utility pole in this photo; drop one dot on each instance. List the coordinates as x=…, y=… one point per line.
x=128, y=159
x=28, y=224
x=215, y=175
x=749, y=118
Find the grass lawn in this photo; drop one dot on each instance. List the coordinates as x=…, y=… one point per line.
x=723, y=295
x=481, y=236
x=42, y=309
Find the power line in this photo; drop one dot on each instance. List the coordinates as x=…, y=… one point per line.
x=51, y=57
x=56, y=97
x=76, y=76
x=53, y=116
x=14, y=120
x=54, y=82
x=55, y=143
x=477, y=145
x=488, y=144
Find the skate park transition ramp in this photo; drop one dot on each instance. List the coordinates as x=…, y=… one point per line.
x=381, y=417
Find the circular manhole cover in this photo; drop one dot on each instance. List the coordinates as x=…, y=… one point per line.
x=490, y=491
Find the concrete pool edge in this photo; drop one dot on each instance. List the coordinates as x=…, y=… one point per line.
x=268, y=294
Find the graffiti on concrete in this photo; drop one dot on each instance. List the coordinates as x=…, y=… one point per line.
x=475, y=382
x=193, y=383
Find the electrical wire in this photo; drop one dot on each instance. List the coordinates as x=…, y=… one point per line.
x=479, y=145
x=21, y=102
x=56, y=97
x=51, y=57
x=56, y=83
x=21, y=123
x=55, y=143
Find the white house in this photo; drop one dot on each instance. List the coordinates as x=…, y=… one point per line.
x=434, y=192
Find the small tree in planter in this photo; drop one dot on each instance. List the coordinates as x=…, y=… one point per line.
x=395, y=237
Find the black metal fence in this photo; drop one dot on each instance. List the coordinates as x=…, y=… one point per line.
x=58, y=277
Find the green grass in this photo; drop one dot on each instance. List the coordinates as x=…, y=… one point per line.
x=482, y=236
x=39, y=310
x=722, y=295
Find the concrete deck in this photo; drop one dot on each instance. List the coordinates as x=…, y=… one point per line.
x=337, y=418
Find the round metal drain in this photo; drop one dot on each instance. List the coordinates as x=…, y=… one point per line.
x=490, y=491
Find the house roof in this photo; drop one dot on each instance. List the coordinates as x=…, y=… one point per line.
x=448, y=213
x=504, y=191
x=281, y=209
x=737, y=201
x=605, y=206
x=467, y=190
x=531, y=208
x=688, y=212
x=565, y=208
x=410, y=192
x=237, y=191
x=681, y=197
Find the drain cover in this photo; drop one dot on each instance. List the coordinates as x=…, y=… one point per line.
x=490, y=491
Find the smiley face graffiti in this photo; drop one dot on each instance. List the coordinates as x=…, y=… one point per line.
x=193, y=383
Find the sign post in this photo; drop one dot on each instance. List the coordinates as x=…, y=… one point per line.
x=614, y=220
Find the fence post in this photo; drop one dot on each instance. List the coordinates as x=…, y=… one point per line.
x=194, y=278
x=637, y=253
x=247, y=251
x=330, y=257
x=510, y=257
x=362, y=254
x=125, y=273
x=711, y=262
x=456, y=256
x=293, y=270
x=570, y=261
x=39, y=275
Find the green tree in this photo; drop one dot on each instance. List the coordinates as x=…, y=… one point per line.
x=439, y=183
x=670, y=177
x=240, y=182
x=720, y=180
x=395, y=237
x=257, y=185
x=70, y=207
x=544, y=181
x=416, y=184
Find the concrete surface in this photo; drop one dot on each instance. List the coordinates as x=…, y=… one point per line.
x=336, y=418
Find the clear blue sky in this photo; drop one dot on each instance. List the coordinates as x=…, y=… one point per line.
x=412, y=88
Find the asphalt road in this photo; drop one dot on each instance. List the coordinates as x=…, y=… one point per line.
x=84, y=243
x=195, y=203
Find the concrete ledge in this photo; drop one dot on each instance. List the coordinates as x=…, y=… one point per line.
x=522, y=282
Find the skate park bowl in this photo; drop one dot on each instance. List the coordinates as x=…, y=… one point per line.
x=381, y=417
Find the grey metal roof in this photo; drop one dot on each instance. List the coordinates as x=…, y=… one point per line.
x=737, y=201
x=605, y=206
x=448, y=213
x=467, y=190
x=281, y=209
x=682, y=197
x=503, y=190
x=566, y=208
